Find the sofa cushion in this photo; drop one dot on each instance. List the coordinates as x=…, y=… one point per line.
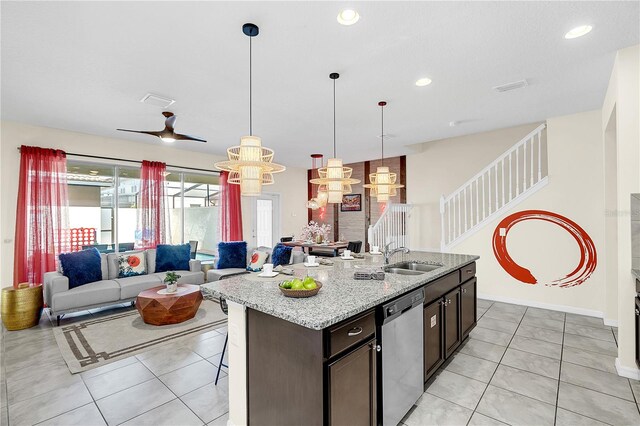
x=281, y=255
x=95, y=293
x=104, y=266
x=81, y=267
x=132, y=286
x=172, y=257
x=186, y=277
x=131, y=264
x=232, y=254
x=151, y=260
x=258, y=258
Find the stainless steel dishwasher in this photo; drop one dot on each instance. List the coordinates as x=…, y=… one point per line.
x=401, y=340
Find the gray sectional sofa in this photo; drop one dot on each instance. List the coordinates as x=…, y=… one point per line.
x=111, y=289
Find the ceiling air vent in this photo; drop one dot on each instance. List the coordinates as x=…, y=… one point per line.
x=156, y=100
x=511, y=86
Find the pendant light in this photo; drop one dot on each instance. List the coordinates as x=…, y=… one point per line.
x=382, y=182
x=320, y=200
x=335, y=179
x=250, y=165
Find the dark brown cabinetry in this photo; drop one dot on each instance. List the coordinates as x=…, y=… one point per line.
x=352, y=387
x=433, y=338
x=452, y=336
x=449, y=315
x=468, y=306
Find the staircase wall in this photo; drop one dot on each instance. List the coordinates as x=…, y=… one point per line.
x=575, y=190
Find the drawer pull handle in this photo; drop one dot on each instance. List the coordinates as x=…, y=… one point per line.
x=464, y=290
x=469, y=271
x=354, y=331
x=637, y=312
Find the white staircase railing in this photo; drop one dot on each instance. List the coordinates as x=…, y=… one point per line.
x=391, y=226
x=511, y=177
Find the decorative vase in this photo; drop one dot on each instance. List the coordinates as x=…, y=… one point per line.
x=172, y=287
x=22, y=307
x=318, y=239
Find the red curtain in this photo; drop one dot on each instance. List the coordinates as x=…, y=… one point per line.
x=230, y=210
x=42, y=221
x=153, y=212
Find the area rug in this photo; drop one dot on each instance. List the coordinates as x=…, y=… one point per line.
x=100, y=341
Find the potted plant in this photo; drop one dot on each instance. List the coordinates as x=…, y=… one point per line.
x=171, y=279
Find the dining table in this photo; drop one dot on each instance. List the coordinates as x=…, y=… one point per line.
x=309, y=246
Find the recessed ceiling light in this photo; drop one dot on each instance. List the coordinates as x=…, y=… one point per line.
x=578, y=31
x=348, y=17
x=425, y=81
x=165, y=139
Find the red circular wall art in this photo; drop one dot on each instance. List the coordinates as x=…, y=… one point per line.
x=588, y=255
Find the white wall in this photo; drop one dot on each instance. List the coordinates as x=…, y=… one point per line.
x=575, y=190
x=440, y=167
x=623, y=97
x=290, y=185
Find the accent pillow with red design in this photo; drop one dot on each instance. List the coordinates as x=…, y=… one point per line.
x=131, y=264
x=258, y=258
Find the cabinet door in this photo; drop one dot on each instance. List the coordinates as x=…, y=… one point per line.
x=468, y=306
x=452, y=335
x=433, y=338
x=352, y=387
x=638, y=331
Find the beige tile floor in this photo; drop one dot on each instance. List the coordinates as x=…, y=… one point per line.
x=520, y=366
x=172, y=385
x=529, y=366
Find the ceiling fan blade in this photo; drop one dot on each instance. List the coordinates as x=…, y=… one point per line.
x=146, y=132
x=178, y=136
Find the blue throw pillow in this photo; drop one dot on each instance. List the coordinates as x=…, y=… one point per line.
x=281, y=255
x=81, y=267
x=232, y=254
x=173, y=257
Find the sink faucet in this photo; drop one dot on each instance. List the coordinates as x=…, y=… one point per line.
x=388, y=253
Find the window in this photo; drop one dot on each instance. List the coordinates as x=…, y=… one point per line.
x=94, y=208
x=91, y=205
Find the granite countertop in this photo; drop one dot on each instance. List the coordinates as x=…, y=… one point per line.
x=341, y=296
x=636, y=273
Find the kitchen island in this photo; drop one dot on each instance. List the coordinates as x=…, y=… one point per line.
x=316, y=360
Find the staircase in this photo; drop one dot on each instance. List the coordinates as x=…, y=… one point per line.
x=391, y=227
x=507, y=181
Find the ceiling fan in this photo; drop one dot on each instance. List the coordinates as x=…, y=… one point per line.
x=167, y=134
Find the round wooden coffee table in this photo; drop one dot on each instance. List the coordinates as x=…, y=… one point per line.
x=172, y=308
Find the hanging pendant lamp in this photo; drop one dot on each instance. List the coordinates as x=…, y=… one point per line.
x=320, y=200
x=382, y=182
x=250, y=165
x=335, y=179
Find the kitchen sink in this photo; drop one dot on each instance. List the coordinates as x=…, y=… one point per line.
x=415, y=266
x=401, y=271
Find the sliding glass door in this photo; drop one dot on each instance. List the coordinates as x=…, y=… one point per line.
x=103, y=207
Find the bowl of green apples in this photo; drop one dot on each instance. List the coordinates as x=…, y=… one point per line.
x=305, y=287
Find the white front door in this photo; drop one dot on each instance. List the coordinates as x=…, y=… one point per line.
x=266, y=220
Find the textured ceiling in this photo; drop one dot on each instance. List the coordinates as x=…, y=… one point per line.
x=83, y=66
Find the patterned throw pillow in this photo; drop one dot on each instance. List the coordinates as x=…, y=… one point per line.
x=131, y=264
x=258, y=258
